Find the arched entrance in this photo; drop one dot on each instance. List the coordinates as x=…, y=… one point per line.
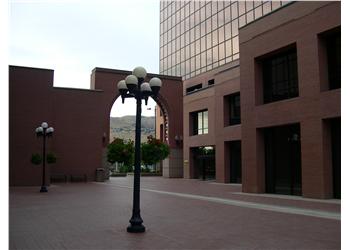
x=169, y=100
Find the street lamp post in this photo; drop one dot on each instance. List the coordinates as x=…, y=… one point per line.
x=45, y=131
x=134, y=87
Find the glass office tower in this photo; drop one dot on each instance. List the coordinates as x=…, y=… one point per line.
x=197, y=36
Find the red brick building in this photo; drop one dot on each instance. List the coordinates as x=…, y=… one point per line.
x=80, y=118
x=271, y=120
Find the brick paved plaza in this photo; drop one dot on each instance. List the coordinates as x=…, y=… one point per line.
x=177, y=214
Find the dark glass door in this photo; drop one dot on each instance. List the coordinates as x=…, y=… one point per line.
x=283, y=160
x=336, y=156
x=205, y=162
x=235, y=162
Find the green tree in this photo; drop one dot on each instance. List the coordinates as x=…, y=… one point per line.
x=122, y=152
x=154, y=151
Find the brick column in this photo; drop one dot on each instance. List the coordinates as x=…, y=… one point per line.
x=316, y=159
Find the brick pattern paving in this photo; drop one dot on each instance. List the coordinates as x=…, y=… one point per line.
x=95, y=216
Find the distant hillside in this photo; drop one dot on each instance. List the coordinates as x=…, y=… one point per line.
x=124, y=127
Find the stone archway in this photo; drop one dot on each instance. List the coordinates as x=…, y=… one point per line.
x=170, y=101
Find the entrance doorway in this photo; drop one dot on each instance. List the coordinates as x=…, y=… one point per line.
x=235, y=162
x=283, y=160
x=204, y=162
x=336, y=156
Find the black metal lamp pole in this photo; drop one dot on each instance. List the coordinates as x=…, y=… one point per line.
x=134, y=87
x=44, y=131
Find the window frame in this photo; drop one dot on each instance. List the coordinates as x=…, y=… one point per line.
x=200, y=122
x=280, y=75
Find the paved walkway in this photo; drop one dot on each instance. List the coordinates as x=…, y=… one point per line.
x=177, y=214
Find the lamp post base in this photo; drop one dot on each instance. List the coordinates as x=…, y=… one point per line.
x=43, y=189
x=136, y=228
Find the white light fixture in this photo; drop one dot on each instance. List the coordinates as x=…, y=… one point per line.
x=44, y=125
x=123, y=89
x=122, y=85
x=145, y=88
x=131, y=82
x=155, y=84
x=49, y=130
x=39, y=130
x=139, y=72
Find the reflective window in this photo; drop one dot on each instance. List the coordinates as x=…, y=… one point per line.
x=215, y=54
x=193, y=65
x=203, y=59
x=214, y=7
x=202, y=18
x=199, y=122
x=228, y=48
x=198, y=62
x=214, y=37
x=228, y=31
x=242, y=21
x=197, y=32
x=227, y=15
x=196, y=17
x=235, y=45
x=220, y=5
x=234, y=10
x=258, y=12
x=198, y=46
x=266, y=8
x=241, y=7
x=202, y=29
x=214, y=23
x=209, y=41
x=221, y=33
x=192, y=21
x=234, y=27
x=203, y=47
x=209, y=57
x=250, y=16
x=275, y=5
x=207, y=30
x=208, y=9
x=221, y=19
x=249, y=5
x=221, y=51
x=208, y=25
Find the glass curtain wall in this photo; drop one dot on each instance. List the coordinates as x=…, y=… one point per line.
x=197, y=36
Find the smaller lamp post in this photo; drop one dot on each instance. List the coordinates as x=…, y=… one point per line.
x=134, y=87
x=45, y=131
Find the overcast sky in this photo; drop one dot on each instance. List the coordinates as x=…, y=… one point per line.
x=74, y=36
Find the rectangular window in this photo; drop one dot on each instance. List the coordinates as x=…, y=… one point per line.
x=280, y=76
x=199, y=122
x=333, y=60
x=211, y=82
x=234, y=106
x=193, y=88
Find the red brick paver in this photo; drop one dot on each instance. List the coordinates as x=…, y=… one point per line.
x=95, y=216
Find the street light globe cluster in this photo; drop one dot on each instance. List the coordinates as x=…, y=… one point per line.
x=43, y=129
x=133, y=86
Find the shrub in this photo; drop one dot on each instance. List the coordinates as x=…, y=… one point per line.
x=36, y=159
x=51, y=158
x=154, y=151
